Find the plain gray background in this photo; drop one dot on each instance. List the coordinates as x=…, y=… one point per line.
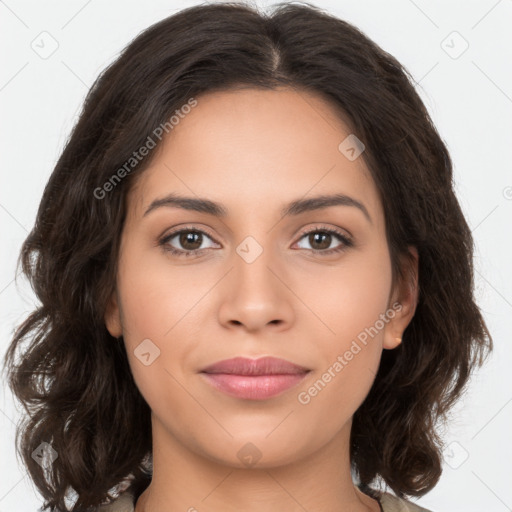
x=459, y=53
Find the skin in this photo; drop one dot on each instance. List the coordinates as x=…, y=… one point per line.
x=254, y=151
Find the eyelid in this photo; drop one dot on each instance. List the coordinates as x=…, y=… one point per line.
x=178, y=229
x=330, y=229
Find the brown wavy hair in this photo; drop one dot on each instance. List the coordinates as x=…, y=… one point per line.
x=73, y=378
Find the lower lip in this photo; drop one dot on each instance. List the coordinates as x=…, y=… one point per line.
x=253, y=387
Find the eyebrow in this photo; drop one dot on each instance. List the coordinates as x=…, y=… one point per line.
x=296, y=207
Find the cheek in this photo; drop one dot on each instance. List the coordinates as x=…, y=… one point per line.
x=352, y=304
x=157, y=294
x=350, y=350
x=351, y=298
x=160, y=304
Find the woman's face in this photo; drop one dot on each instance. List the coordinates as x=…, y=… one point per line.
x=263, y=282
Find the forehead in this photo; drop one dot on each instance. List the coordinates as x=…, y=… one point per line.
x=251, y=148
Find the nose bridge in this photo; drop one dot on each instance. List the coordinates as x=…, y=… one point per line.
x=253, y=262
x=255, y=296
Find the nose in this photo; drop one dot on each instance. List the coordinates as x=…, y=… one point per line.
x=255, y=294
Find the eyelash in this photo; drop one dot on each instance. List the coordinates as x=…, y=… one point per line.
x=346, y=242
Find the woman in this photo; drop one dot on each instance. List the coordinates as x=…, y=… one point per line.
x=256, y=281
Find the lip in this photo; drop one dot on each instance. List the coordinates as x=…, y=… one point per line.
x=254, y=379
x=262, y=366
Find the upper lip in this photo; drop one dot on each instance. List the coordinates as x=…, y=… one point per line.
x=262, y=366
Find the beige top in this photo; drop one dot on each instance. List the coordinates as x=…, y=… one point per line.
x=388, y=502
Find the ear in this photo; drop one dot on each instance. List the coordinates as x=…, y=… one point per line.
x=404, y=299
x=113, y=317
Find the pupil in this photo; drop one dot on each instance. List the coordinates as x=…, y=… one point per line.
x=324, y=245
x=187, y=238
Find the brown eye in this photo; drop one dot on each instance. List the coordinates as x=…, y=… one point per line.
x=321, y=239
x=190, y=240
x=186, y=242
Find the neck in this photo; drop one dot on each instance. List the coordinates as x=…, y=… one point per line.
x=188, y=480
